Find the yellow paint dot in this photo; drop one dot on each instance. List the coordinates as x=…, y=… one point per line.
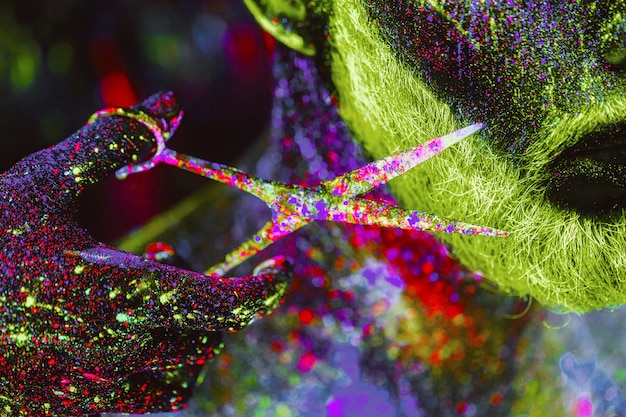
x=78, y=269
x=30, y=301
x=166, y=297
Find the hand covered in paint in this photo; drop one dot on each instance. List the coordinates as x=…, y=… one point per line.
x=85, y=328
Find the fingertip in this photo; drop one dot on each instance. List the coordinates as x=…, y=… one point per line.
x=278, y=265
x=165, y=108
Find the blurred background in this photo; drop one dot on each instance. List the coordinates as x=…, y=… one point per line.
x=61, y=61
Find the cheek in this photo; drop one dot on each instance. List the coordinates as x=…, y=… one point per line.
x=508, y=64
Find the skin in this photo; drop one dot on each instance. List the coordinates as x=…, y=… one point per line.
x=547, y=79
x=86, y=328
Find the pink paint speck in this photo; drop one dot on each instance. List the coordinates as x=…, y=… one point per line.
x=583, y=407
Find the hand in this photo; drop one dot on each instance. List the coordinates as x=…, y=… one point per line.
x=86, y=328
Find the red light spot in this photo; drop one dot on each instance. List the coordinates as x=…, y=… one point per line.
x=306, y=362
x=461, y=407
x=244, y=49
x=333, y=157
x=116, y=90
x=277, y=346
x=270, y=43
x=496, y=398
x=306, y=316
x=428, y=267
x=435, y=359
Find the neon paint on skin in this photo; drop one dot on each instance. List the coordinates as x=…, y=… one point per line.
x=86, y=328
x=336, y=200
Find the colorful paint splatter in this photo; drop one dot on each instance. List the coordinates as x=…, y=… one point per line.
x=86, y=328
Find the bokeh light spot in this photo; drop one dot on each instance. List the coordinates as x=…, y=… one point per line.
x=25, y=64
x=306, y=316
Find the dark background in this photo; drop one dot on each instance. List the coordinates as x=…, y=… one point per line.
x=61, y=61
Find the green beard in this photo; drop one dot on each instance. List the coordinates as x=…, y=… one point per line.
x=555, y=255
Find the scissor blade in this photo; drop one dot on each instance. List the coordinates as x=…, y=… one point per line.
x=273, y=230
x=367, y=212
x=374, y=174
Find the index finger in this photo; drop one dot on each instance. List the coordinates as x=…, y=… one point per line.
x=154, y=295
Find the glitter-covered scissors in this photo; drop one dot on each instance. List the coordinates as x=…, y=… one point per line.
x=295, y=206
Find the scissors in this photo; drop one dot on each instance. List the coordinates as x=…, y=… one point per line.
x=340, y=199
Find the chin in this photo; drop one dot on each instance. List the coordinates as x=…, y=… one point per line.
x=559, y=201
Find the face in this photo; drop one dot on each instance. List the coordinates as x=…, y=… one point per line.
x=530, y=70
x=548, y=79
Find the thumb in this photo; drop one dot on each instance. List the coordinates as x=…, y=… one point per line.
x=155, y=295
x=99, y=148
x=113, y=140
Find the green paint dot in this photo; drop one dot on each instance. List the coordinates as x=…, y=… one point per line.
x=122, y=318
x=164, y=50
x=166, y=297
x=282, y=410
x=25, y=64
